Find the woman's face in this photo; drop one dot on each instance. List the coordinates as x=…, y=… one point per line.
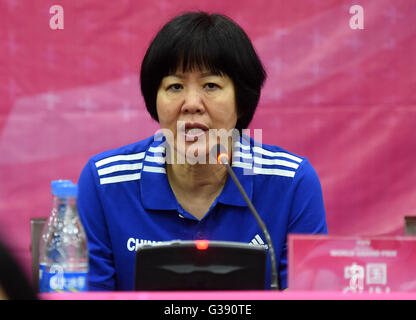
x=192, y=107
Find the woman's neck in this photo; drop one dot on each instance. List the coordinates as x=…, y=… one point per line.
x=196, y=186
x=197, y=179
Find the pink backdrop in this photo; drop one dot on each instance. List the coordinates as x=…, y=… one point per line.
x=344, y=98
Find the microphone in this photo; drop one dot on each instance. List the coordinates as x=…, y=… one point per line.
x=223, y=158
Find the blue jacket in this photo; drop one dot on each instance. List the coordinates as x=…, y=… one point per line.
x=125, y=200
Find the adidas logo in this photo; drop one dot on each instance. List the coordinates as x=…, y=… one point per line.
x=257, y=241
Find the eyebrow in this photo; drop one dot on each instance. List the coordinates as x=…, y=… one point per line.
x=209, y=74
x=203, y=75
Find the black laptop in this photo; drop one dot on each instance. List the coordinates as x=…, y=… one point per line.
x=200, y=265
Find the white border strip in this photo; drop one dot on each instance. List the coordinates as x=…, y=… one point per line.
x=277, y=154
x=154, y=169
x=126, y=157
x=278, y=162
x=244, y=165
x=239, y=154
x=276, y=172
x=120, y=167
x=159, y=160
x=238, y=144
x=159, y=149
x=126, y=177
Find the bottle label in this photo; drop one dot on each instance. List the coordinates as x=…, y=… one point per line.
x=56, y=280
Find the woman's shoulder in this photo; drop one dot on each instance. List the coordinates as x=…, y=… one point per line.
x=274, y=161
x=276, y=151
x=269, y=151
x=120, y=164
x=132, y=151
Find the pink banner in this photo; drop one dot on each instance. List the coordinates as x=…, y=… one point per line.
x=352, y=264
x=227, y=295
x=340, y=91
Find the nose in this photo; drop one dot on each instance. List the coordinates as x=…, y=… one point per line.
x=193, y=103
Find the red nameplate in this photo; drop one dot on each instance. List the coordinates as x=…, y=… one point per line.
x=352, y=264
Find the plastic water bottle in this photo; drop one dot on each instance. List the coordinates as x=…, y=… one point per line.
x=63, y=255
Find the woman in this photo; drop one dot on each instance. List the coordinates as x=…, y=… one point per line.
x=201, y=80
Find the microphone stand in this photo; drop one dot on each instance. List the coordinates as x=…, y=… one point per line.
x=274, y=284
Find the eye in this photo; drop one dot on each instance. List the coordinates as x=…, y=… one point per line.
x=211, y=86
x=175, y=87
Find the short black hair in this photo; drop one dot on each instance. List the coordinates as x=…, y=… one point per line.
x=201, y=40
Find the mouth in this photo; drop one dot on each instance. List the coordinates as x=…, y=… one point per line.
x=194, y=131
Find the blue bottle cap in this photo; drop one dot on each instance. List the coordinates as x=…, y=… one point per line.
x=64, y=188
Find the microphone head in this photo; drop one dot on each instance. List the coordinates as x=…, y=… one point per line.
x=220, y=153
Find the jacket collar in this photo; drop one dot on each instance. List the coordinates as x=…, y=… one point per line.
x=155, y=190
